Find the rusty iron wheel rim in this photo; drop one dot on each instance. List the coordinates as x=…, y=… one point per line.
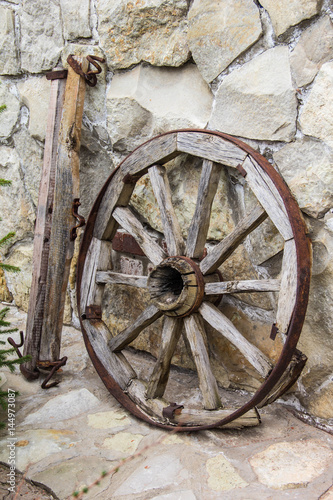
x=304, y=261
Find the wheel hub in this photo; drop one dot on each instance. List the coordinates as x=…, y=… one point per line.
x=176, y=286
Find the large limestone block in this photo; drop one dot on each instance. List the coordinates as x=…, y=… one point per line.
x=306, y=165
x=35, y=94
x=317, y=116
x=9, y=116
x=315, y=47
x=147, y=30
x=219, y=31
x=257, y=101
x=287, y=13
x=75, y=18
x=9, y=63
x=41, y=35
x=160, y=99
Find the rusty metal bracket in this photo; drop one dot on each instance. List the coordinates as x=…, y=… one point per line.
x=55, y=367
x=93, y=312
x=274, y=332
x=241, y=170
x=58, y=74
x=80, y=219
x=90, y=76
x=169, y=411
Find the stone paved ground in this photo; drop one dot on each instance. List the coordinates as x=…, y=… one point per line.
x=68, y=435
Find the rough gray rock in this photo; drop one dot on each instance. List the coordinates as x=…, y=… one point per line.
x=314, y=48
x=150, y=30
x=306, y=165
x=257, y=100
x=9, y=62
x=10, y=115
x=317, y=115
x=287, y=13
x=41, y=35
x=35, y=94
x=219, y=31
x=75, y=19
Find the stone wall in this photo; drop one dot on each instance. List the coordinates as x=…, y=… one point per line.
x=262, y=71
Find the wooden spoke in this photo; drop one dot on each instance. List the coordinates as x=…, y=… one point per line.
x=287, y=296
x=146, y=318
x=172, y=231
x=195, y=334
x=99, y=260
x=242, y=286
x=121, y=279
x=225, y=248
x=127, y=220
x=223, y=325
x=268, y=196
x=170, y=335
x=198, y=230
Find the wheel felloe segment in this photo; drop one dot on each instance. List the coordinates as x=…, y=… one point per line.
x=185, y=281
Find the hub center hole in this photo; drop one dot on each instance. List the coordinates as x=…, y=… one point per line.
x=165, y=284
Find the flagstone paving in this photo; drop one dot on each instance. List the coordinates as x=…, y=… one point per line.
x=67, y=436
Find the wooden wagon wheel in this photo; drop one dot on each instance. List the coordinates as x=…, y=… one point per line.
x=181, y=285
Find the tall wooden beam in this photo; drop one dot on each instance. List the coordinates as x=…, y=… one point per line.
x=65, y=155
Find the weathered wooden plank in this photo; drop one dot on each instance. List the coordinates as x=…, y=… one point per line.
x=268, y=196
x=111, y=277
x=195, y=334
x=66, y=190
x=217, y=255
x=223, y=325
x=158, y=151
x=199, y=226
x=269, y=285
x=115, y=363
x=128, y=221
x=187, y=417
x=43, y=226
x=172, y=231
x=210, y=147
x=146, y=318
x=171, y=331
x=98, y=260
x=287, y=295
x=194, y=417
